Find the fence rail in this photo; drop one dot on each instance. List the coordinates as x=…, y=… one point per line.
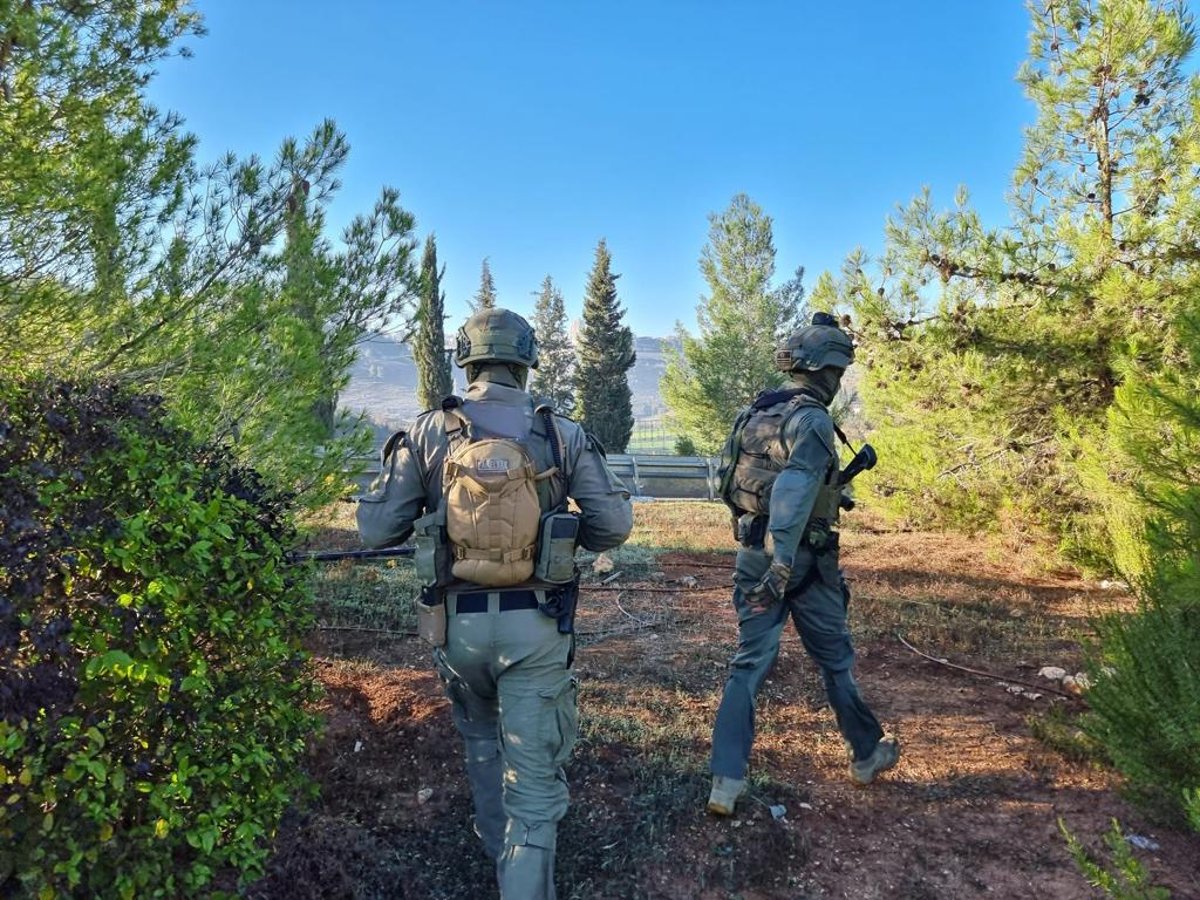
x=647, y=476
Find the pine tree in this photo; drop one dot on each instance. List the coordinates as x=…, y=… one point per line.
x=603, y=399
x=485, y=297
x=553, y=380
x=743, y=319
x=434, y=381
x=993, y=355
x=213, y=286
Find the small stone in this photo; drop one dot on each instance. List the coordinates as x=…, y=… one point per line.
x=358, y=745
x=1032, y=695
x=1054, y=673
x=689, y=581
x=1073, y=684
x=603, y=564
x=1015, y=689
x=1142, y=843
x=805, y=805
x=424, y=794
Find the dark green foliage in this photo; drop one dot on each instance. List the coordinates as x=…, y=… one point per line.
x=553, y=381
x=1146, y=696
x=153, y=687
x=434, y=381
x=994, y=354
x=743, y=318
x=1145, y=701
x=121, y=256
x=604, y=402
x=485, y=297
x=685, y=446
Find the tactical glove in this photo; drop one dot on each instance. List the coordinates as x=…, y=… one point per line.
x=770, y=589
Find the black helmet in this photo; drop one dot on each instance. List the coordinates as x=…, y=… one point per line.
x=496, y=335
x=815, y=346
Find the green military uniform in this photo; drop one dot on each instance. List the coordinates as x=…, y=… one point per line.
x=785, y=484
x=505, y=664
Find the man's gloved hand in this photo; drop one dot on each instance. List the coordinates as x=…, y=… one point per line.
x=770, y=589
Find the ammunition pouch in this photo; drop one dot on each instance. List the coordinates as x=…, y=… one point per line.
x=431, y=617
x=820, y=537
x=751, y=530
x=557, y=534
x=432, y=554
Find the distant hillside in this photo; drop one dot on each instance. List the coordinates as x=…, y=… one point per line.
x=383, y=381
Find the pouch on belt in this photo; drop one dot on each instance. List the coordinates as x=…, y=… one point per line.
x=556, y=548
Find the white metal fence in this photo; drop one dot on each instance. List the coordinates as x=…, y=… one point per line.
x=649, y=476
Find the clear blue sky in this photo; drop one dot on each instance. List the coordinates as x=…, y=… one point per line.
x=525, y=131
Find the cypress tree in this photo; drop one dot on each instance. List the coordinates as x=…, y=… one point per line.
x=485, y=297
x=429, y=344
x=603, y=399
x=552, y=380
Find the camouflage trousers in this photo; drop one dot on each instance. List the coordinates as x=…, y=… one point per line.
x=816, y=600
x=512, y=696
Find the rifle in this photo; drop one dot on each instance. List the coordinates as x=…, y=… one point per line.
x=863, y=460
x=300, y=556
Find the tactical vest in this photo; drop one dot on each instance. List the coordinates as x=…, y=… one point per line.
x=494, y=500
x=755, y=454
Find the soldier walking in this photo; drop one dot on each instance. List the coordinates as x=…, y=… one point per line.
x=483, y=484
x=780, y=476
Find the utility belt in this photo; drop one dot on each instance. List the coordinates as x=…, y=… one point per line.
x=558, y=603
x=751, y=532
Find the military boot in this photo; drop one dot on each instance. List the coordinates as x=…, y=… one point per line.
x=725, y=794
x=885, y=755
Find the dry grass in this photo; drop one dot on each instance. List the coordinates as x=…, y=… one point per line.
x=972, y=808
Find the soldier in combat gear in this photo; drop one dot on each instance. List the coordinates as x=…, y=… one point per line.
x=503, y=643
x=780, y=476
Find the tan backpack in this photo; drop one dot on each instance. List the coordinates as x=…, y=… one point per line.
x=492, y=508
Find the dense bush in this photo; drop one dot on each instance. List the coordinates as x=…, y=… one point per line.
x=1146, y=697
x=1146, y=703
x=153, y=693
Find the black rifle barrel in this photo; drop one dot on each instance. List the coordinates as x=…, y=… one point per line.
x=298, y=556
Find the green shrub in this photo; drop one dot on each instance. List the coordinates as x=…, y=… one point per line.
x=685, y=446
x=1145, y=701
x=1127, y=879
x=153, y=690
x=1146, y=698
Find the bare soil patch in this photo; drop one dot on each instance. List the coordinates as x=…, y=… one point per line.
x=972, y=809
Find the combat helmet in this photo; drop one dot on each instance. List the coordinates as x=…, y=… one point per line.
x=815, y=346
x=496, y=335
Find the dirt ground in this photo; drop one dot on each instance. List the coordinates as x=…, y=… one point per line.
x=972, y=809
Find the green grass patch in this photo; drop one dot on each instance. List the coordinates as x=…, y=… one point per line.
x=366, y=595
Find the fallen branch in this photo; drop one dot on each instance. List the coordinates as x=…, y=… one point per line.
x=991, y=675
x=629, y=615
x=601, y=634
x=637, y=590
